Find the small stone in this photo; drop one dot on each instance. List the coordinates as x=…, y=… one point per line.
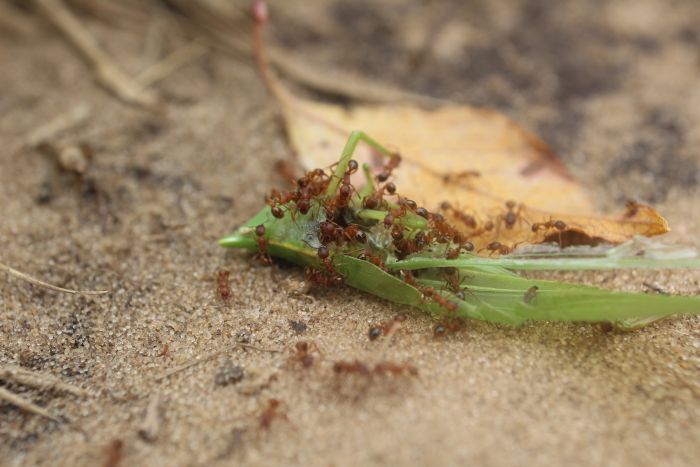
x=229, y=373
x=244, y=336
x=45, y=194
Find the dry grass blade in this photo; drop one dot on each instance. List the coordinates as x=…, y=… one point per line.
x=208, y=357
x=151, y=423
x=190, y=364
x=345, y=84
x=229, y=30
x=46, y=285
x=38, y=380
x=106, y=70
x=171, y=63
x=25, y=405
x=72, y=118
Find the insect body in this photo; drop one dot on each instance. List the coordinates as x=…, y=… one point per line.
x=304, y=353
x=380, y=242
x=223, y=286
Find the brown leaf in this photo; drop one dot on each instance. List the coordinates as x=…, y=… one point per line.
x=476, y=160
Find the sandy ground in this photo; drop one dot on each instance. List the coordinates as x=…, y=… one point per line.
x=612, y=84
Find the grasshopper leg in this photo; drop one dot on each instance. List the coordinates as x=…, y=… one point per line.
x=349, y=149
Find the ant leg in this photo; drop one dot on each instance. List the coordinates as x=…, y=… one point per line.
x=349, y=149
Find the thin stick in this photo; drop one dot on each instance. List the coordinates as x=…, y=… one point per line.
x=189, y=364
x=223, y=30
x=106, y=70
x=259, y=349
x=346, y=84
x=72, y=118
x=38, y=380
x=164, y=68
x=25, y=404
x=151, y=423
x=32, y=280
x=206, y=358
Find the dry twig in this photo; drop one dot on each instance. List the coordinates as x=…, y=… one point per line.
x=223, y=27
x=208, y=357
x=106, y=70
x=46, y=285
x=72, y=118
x=38, y=380
x=171, y=63
x=25, y=404
x=151, y=423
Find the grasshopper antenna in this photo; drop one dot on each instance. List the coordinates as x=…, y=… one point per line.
x=260, y=15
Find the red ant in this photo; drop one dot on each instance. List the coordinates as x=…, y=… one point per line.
x=380, y=369
x=455, y=284
x=405, y=205
x=431, y=293
x=322, y=278
x=375, y=200
x=394, y=369
x=324, y=256
x=223, y=286
x=330, y=232
x=559, y=225
x=444, y=328
x=410, y=279
x=389, y=220
x=114, y=452
x=374, y=259
x=262, y=245
x=407, y=246
x=327, y=231
x=424, y=213
x=497, y=247
x=512, y=216
x=397, y=233
x=466, y=219
x=354, y=367
x=394, y=161
x=462, y=244
x=465, y=174
x=387, y=327
x=442, y=231
x=353, y=233
x=270, y=413
x=303, y=353
x=487, y=227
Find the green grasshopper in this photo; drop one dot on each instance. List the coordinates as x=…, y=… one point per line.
x=463, y=285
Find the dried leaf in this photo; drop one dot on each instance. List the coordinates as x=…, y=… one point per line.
x=474, y=159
